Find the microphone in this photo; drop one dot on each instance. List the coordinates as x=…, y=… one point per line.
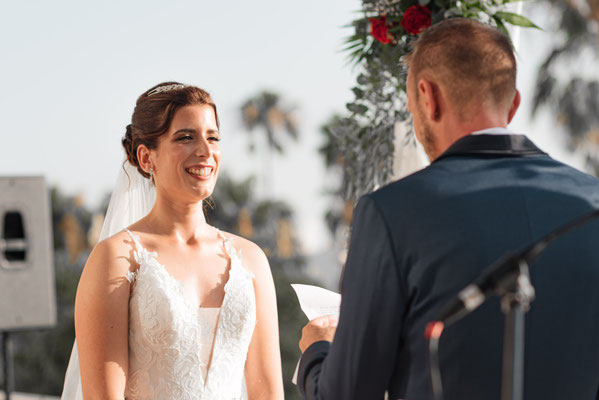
x=501, y=276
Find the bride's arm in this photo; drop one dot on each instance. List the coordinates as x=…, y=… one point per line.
x=101, y=321
x=263, y=366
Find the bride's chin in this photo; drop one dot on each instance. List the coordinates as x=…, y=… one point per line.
x=187, y=195
x=202, y=194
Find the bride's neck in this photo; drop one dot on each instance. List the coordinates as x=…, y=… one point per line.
x=183, y=220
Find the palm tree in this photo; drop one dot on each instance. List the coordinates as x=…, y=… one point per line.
x=264, y=111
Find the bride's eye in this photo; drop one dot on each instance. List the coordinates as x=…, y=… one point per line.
x=214, y=139
x=184, y=138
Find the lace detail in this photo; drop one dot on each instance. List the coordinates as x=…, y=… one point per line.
x=167, y=337
x=131, y=276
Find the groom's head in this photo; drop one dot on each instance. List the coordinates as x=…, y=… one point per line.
x=461, y=77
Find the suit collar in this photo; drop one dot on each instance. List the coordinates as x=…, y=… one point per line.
x=492, y=145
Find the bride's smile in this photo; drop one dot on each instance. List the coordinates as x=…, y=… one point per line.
x=200, y=172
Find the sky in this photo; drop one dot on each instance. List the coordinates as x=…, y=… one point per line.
x=70, y=73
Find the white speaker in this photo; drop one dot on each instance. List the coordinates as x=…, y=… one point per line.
x=27, y=291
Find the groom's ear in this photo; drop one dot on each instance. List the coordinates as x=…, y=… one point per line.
x=514, y=107
x=429, y=94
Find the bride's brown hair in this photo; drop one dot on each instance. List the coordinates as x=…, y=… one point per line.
x=153, y=113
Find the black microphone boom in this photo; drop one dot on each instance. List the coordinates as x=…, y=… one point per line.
x=503, y=273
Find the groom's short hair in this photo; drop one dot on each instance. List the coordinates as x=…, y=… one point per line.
x=474, y=61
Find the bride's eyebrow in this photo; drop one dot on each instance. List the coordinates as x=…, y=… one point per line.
x=190, y=130
x=185, y=130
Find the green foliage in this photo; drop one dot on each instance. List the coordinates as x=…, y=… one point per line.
x=330, y=149
x=366, y=135
x=515, y=19
x=42, y=356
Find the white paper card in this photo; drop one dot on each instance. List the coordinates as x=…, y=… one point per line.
x=316, y=302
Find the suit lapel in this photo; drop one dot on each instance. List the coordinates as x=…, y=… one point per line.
x=492, y=145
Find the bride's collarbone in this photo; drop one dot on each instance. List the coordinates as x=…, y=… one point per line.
x=201, y=270
x=203, y=278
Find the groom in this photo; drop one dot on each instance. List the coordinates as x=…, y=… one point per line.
x=418, y=241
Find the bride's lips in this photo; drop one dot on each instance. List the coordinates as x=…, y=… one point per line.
x=200, y=172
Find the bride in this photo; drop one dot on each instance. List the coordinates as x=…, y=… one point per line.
x=167, y=308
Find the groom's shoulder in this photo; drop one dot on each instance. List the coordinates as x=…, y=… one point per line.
x=408, y=197
x=410, y=185
x=452, y=176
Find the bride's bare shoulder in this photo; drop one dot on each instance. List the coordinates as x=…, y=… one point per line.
x=113, y=254
x=120, y=242
x=105, y=280
x=253, y=257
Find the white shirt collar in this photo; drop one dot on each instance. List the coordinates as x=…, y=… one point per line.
x=496, y=130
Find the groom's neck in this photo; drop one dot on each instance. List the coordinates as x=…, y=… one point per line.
x=454, y=126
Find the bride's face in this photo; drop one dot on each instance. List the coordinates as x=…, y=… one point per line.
x=187, y=157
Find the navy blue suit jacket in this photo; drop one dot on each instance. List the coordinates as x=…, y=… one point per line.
x=416, y=242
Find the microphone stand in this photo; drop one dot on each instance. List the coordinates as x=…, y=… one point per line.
x=514, y=304
x=517, y=293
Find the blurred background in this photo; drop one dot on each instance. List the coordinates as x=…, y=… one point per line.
x=71, y=72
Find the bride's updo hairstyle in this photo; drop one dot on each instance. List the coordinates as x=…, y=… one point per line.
x=154, y=112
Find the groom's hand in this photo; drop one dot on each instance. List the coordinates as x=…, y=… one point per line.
x=321, y=328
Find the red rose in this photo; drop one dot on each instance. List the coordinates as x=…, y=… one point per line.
x=379, y=29
x=416, y=19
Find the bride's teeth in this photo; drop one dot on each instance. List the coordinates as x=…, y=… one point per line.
x=200, y=171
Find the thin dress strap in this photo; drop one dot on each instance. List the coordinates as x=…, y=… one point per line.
x=233, y=253
x=135, y=239
x=131, y=276
x=229, y=249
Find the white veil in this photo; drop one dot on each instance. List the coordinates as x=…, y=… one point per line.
x=131, y=200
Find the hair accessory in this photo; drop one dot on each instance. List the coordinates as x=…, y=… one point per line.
x=167, y=88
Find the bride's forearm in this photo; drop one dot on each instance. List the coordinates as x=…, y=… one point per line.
x=270, y=395
x=265, y=391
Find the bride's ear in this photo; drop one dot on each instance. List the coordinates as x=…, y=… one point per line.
x=143, y=158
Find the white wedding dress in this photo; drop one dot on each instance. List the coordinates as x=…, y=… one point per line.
x=179, y=352
x=175, y=351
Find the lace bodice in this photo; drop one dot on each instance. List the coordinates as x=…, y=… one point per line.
x=170, y=341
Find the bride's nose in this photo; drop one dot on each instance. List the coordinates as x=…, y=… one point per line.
x=203, y=148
